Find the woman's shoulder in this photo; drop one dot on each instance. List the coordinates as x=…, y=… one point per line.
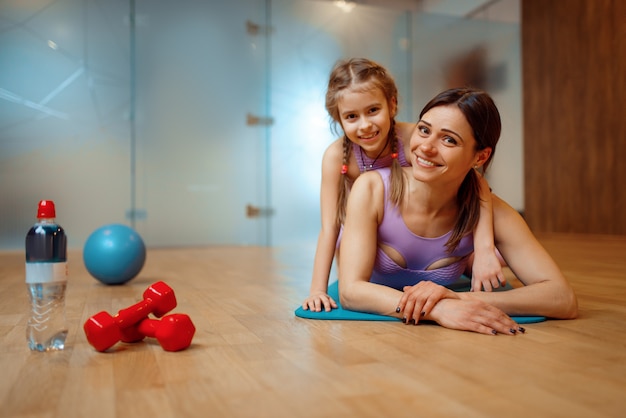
x=368, y=189
x=372, y=179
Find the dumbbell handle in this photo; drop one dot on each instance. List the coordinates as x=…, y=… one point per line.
x=130, y=316
x=133, y=314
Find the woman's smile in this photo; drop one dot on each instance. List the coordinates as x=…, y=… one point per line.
x=424, y=162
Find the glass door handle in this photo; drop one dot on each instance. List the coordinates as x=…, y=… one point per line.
x=258, y=212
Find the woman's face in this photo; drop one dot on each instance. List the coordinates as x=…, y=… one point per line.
x=443, y=147
x=365, y=117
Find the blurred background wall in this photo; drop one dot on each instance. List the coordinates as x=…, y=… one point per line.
x=203, y=122
x=574, y=77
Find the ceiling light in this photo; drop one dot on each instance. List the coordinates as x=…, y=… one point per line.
x=346, y=6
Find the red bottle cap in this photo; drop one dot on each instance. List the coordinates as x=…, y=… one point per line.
x=46, y=209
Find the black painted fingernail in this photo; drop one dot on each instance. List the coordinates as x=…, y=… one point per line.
x=398, y=309
x=512, y=331
x=423, y=313
x=404, y=319
x=412, y=321
x=522, y=329
x=494, y=332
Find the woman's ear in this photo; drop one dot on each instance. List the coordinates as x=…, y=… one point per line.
x=482, y=157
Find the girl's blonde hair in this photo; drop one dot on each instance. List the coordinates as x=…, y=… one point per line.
x=361, y=74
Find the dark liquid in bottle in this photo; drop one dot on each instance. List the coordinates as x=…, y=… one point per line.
x=46, y=243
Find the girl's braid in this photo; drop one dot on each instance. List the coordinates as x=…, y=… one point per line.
x=397, y=179
x=344, y=182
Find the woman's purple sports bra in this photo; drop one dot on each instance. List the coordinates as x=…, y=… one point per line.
x=418, y=252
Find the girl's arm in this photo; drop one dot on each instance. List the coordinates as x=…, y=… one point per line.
x=486, y=268
x=318, y=298
x=546, y=291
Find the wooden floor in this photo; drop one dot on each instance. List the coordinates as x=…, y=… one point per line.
x=251, y=357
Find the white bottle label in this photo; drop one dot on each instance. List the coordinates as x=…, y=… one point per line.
x=46, y=272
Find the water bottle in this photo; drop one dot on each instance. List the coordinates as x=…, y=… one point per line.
x=46, y=280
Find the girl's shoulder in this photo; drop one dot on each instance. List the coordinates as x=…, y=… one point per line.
x=405, y=130
x=335, y=150
x=333, y=160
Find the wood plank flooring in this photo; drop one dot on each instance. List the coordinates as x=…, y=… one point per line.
x=251, y=357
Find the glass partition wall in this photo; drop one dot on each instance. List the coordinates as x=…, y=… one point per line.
x=203, y=122
x=64, y=115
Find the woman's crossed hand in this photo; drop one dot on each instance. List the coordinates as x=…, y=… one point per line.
x=418, y=300
x=474, y=315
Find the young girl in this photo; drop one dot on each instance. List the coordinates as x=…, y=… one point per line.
x=362, y=98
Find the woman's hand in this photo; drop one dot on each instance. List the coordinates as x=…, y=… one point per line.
x=474, y=315
x=418, y=300
x=486, y=272
x=316, y=301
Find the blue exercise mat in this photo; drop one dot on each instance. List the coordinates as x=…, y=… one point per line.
x=340, y=313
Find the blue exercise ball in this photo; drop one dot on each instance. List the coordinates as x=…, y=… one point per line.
x=114, y=254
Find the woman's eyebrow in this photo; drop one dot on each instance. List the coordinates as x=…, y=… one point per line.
x=443, y=129
x=454, y=133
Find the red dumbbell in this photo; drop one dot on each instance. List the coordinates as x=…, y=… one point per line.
x=103, y=330
x=174, y=332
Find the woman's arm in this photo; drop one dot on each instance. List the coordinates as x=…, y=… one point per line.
x=486, y=268
x=546, y=291
x=358, y=250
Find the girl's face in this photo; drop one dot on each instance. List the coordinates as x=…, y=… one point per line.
x=443, y=146
x=365, y=117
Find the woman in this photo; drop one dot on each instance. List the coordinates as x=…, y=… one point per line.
x=396, y=259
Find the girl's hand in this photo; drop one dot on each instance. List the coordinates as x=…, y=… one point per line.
x=487, y=272
x=418, y=300
x=316, y=301
x=474, y=315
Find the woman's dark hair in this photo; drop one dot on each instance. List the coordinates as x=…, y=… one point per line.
x=482, y=115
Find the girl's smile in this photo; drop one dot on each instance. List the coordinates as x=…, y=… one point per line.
x=366, y=118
